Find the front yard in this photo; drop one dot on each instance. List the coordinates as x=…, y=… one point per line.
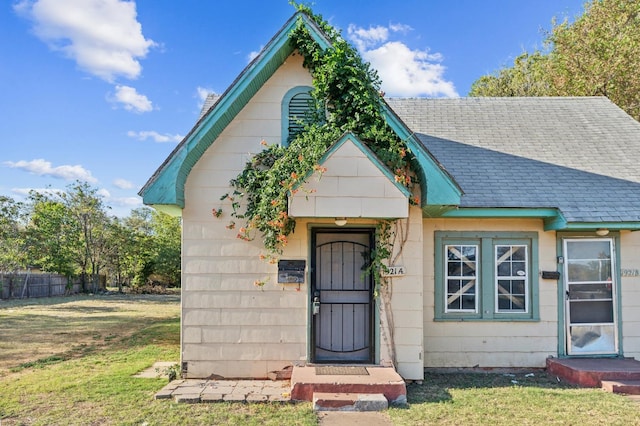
x=71, y=361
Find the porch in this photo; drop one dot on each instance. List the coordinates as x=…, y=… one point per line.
x=618, y=375
x=329, y=387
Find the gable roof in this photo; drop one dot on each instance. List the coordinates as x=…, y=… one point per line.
x=569, y=160
x=165, y=189
x=355, y=184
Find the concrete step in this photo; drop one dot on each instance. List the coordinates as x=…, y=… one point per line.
x=628, y=387
x=591, y=372
x=378, y=380
x=323, y=401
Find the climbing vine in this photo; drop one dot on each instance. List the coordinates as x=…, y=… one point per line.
x=346, y=98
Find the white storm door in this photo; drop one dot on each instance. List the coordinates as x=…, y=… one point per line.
x=590, y=302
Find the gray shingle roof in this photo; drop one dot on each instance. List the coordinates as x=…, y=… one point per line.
x=579, y=155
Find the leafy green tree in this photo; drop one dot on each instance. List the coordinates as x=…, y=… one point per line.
x=596, y=55
x=51, y=234
x=129, y=261
x=89, y=217
x=12, y=244
x=599, y=54
x=166, y=247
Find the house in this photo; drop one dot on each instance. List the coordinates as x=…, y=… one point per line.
x=522, y=247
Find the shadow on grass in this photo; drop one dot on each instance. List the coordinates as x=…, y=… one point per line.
x=436, y=386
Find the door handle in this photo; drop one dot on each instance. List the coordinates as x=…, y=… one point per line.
x=316, y=305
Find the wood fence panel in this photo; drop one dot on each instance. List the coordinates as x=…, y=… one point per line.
x=18, y=286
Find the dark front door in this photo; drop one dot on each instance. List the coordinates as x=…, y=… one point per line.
x=342, y=292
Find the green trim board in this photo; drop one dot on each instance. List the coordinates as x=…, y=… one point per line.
x=166, y=186
x=553, y=218
x=495, y=213
x=486, y=294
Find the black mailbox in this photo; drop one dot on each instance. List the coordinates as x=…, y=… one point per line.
x=550, y=275
x=291, y=271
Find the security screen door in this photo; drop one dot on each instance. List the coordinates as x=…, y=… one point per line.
x=590, y=296
x=342, y=293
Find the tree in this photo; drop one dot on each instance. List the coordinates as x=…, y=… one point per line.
x=12, y=244
x=89, y=216
x=596, y=55
x=167, y=232
x=51, y=235
x=599, y=54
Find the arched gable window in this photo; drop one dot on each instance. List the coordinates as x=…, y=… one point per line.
x=296, y=105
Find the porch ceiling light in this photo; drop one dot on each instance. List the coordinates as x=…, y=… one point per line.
x=602, y=232
x=341, y=221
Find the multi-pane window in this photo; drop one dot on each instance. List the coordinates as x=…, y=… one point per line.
x=486, y=276
x=511, y=278
x=461, y=278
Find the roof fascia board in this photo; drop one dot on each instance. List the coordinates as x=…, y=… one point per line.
x=166, y=186
x=593, y=226
x=496, y=213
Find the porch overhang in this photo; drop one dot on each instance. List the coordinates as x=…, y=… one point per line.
x=355, y=184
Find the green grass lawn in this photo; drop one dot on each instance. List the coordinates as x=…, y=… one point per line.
x=70, y=361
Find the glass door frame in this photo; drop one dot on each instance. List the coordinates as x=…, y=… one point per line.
x=563, y=300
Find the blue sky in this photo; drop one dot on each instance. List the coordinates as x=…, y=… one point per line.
x=103, y=90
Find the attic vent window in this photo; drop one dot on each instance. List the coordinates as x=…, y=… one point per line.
x=296, y=109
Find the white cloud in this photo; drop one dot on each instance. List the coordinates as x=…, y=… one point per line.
x=254, y=54
x=131, y=202
x=25, y=191
x=201, y=94
x=42, y=167
x=123, y=184
x=403, y=71
x=157, y=137
x=366, y=38
x=103, y=37
x=131, y=99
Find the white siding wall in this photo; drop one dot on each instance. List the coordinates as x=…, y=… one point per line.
x=406, y=303
x=231, y=327
x=491, y=344
x=630, y=286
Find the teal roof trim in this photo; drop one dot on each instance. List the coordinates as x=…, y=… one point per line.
x=521, y=213
x=166, y=186
x=553, y=218
x=438, y=186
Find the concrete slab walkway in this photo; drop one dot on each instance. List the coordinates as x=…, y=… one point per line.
x=204, y=390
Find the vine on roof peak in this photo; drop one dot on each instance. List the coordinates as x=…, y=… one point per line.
x=346, y=98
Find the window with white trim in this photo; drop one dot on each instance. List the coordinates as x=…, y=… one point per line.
x=461, y=278
x=511, y=275
x=486, y=276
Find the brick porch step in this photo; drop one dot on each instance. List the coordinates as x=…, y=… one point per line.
x=323, y=401
x=305, y=383
x=628, y=387
x=590, y=372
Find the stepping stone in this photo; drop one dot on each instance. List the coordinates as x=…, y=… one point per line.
x=349, y=402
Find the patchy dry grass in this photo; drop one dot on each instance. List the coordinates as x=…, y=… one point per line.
x=41, y=331
x=71, y=361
